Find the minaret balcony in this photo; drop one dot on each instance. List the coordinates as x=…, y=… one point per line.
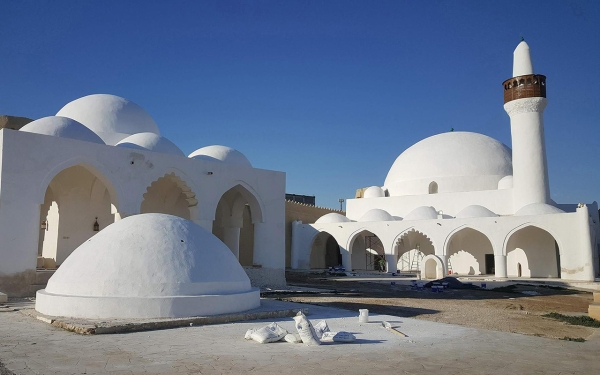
x=527, y=86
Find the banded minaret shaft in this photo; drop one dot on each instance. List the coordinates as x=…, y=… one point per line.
x=525, y=101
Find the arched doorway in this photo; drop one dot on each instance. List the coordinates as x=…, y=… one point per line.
x=532, y=252
x=367, y=252
x=169, y=195
x=411, y=247
x=470, y=252
x=432, y=267
x=237, y=212
x=325, y=252
x=77, y=205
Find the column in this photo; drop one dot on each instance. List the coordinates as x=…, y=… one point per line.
x=391, y=264
x=232, y=240
x=500, y=266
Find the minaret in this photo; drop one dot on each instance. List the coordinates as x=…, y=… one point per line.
x=524, y=101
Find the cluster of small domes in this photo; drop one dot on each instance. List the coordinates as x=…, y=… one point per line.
x=115, y=121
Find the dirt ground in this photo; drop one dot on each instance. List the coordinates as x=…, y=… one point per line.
x=486, y=309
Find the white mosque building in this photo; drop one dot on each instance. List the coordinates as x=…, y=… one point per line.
x=65, y=178
x=464, y=203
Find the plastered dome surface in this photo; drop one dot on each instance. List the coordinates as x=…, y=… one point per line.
x=422, y=213
x=373, y=192
x=151, y=142
x=149, y=266
x=332, y=217
x=63, y=127
x=455, y=161
x=111, y=117
x=376, y=214
x=475, y=210
x=223, y=154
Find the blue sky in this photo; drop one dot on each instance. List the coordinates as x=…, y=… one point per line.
x=329, y=92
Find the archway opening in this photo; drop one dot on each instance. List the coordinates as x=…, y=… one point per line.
x=470, y=252
x=367, y=252
x=169, y=195
x=433, y=187
x=75, y=200
x=234, y=222
x=410, y=250
x=532, y=252
x=430, y=269
x=325, y=252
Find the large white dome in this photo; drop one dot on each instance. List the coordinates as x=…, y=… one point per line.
x=111, y=117
x=223, y=154
x=149, y=266
x=151, y=142
x=454, y=161
x=63, y=127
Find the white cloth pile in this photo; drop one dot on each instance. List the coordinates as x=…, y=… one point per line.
x=307, y=334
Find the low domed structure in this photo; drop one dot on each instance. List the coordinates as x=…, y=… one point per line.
x=222, y=154
x=454, y=161
x=111, y=117
x=422, y=213
x=62, y=127
x=474, y=210
x=538, y=209
x=376, y=214
x=150, y=142
x=332, y=217
x=505, y=183
x=373, y=192
x=149, y=266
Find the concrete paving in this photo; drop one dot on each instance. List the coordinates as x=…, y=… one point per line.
x=28, y=346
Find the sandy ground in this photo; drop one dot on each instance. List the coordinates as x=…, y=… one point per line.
x=499, y=311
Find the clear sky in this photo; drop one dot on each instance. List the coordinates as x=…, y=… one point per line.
x=330, y=92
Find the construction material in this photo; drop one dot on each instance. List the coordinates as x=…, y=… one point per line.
x=293, y=338
x=389, y=327
x=338, y=337
x=363, y=316
x=306, y=330
x=271, y=333
x=321, y=328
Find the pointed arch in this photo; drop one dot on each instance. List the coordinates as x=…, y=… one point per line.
x=93, y=167
x=324, y=251
x=366, y=250
x=170, y=194
x=408, y=254
x=251, y=197
x=532, y=251
x=469, y=251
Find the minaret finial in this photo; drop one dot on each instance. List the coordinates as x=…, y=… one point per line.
x=522, y=39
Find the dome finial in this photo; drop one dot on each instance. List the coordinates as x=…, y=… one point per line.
x=522, y=38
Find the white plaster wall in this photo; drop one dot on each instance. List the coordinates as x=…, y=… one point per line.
x=498, y=201
x=451, y=184
x=30, y=161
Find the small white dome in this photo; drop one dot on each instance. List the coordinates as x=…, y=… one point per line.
x=149, y=266
x=111, y=117
x=150, y=142
x=422, y=213
x=376, y=214
x=474, y=210
x=63, y=127
x=505, y=183
x=538, y=209
x=456, y=161
x=332, y=217
x=373, y=192
x=222, y=154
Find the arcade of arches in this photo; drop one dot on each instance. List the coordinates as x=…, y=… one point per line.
x=529, y=251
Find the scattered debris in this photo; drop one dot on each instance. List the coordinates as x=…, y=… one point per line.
x=293, y=338
x=531, y=293
x=338, y=337
x=306, y=330
x=389, y=327
x=452, y=283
